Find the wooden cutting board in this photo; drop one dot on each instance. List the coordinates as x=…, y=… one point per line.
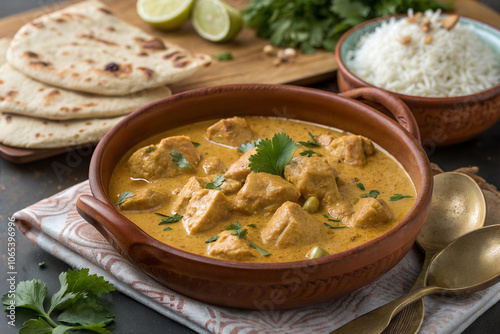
x=250, y=65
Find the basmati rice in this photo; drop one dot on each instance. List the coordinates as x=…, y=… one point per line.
x=454, y=63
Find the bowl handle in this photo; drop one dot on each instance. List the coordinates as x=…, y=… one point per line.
x=394, y=105
x=109, y=223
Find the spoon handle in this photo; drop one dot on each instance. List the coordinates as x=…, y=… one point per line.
x=410, y=318
x=377, y=320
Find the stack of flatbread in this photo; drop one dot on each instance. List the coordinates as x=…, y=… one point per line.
x=67, y=77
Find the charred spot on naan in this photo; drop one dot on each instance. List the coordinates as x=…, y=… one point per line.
x=147, y=71
x=30, y=54
x=92, y=37
x=152, y=44
x=37, y=24
x=40, y=63
x=106, y=11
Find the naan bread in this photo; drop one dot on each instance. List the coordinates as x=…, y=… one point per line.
x=28, y=132
x=86, y=47
x=22, y=95
x=4, y=45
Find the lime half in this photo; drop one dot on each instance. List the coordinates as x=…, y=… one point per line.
x=215, y=20
x=165, y=14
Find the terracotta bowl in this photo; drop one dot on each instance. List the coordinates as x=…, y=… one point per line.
x=252, y=285
x=441, y=120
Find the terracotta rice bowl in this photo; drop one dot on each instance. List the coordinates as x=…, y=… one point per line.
x=266, y=286
x=441, y=120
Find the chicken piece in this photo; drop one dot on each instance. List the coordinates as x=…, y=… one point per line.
x=239, y=170
x=144, y=200
x=351, y=149
x=313, y=177
x=324, y=139
x=290, y=226
x=230, y=247
x=213, y=165
x=205, y=209
x=231, y=131
x=264, y=192
x=193, y=185
x=338, y=209
x=230, y=186
x=154, y=161
x=368, y=212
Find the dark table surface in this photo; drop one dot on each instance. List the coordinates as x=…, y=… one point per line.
x=22, y=185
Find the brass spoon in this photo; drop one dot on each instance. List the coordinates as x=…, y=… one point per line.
x=469, y=264
x=458, y=207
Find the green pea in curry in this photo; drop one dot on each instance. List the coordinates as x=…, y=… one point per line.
x=261, y=189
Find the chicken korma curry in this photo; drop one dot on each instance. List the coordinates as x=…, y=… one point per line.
x=260, y=189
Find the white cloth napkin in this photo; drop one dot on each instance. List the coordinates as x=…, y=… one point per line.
x=55, y=226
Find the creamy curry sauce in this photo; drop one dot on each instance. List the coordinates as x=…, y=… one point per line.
x=381, y=172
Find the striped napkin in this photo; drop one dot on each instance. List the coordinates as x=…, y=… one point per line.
x=55, y=226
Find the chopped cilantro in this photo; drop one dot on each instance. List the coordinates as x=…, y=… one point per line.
x=397, y=197
x=217, y=182
x=273, y=154
x=149, y=149
x=372, y=193
x=248, y=146
x=195, y=144
x=123, y=196
x=180, y=160
x=334, y=227
x=310, y=153
x=241, y=233
x=167, y=229
x=360, y=186
x=169, y=219
x=212, y=239
x=310, y=143
x=252, y=225
x=260, y=249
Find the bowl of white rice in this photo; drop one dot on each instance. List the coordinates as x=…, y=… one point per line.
x=445, y=67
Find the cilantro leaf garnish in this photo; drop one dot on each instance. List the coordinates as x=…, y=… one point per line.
x=248, y=146
x=78, y=303
x=169, y=219
x=180, y=160
x=123, y=196
x=310, y=143
x=252, y=225
x=241, y=233
x=372, y=193
x=310, y=153
x=150, y=149
x=334, y=227
x=212, y=239
x=216, y=183
x=332, y=220
x=167, y=229
x=195, y=144
x=397, y=197
x=273, y=154
x=260, y=249
x=360, y=186
x=236, y=227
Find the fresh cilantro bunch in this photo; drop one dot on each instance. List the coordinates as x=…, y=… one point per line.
x=78, y=303
x=312, y=24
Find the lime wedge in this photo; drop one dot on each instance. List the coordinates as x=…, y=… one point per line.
x=215, y=20
x=165, y=14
